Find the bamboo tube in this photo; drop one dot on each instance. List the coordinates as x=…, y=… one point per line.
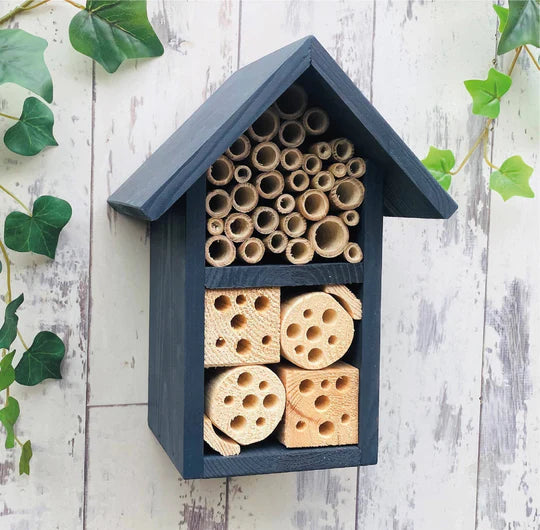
x=215, y=226
x=238, y=227
x=276, y=242
x=270, y=185
x=293, y=224
x=329, y=236
x=313, y=205
x=311, y=164
x=342, y=149
x=218, y=203
x=297, y=181
x=339, y=170
x=347, y=194
x=220, y=172
x=356, y=167
x=284, y=203
x=265, y=156
x=315, y=121
x=299, y=251
x=291, y=133
x=244, y=197
x=350, y=217
x=265, y=219
x=219, y=251
x=322, y=150
x=323, y=181
x=292, y=103
x=251, y=250
x=291, y=158
x=265, y=127
x=239, y=149
x=242, y=173
x=353, y=253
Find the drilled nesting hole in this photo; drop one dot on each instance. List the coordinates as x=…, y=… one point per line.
x=260, y=422
x=222, y=303
x=332, y=339
x=314, y=355
x=243, y=346
x=228, y=400
x=329, y=316
x=342, y=382
x=270, y=401
x=238, y=321
x=262, y=303
x=313, y=333
x=308, y=313
x=322, y=403
x=244, y=379
x=240, y=299
x=263, y=385
x=299, y=349
x=300, y=425
x=238, y=423
x=306, y=386
x=293, y=331
x=250, y=401
x=220, y=342
x=345, y=419
x=266, y=340
x=325, y=383
x=326, y=429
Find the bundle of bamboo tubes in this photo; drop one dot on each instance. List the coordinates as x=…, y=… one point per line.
x=286, y=188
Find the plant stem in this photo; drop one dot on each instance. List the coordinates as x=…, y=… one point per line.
x=22, y=340
x=514, y=60
x=8, y=116
x=8, y=270
x=486, y=159
x=35, y=5
x=473, y=148
x=16, y=10
x=533, y=59
x=14, y=197
x=79, y=6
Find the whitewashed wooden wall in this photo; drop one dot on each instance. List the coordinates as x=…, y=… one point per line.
x=460, y=368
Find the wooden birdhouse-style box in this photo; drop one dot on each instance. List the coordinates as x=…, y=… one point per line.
x=266, y=209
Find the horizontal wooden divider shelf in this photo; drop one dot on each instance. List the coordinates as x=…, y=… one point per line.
x=283, y=275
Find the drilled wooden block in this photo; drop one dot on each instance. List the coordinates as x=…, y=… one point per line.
x=241, y=326
x=351, y=303
x=316, y=330
x=321, y=407
x=246, y=402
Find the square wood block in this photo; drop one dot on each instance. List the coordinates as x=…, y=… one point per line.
x=321, y=407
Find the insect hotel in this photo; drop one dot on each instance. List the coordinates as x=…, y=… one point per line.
x=266, y=210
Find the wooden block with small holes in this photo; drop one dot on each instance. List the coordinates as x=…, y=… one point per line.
x=241, y=326
x=321, y=407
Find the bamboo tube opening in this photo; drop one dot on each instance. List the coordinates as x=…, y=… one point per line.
x=342, y=149
x=353, y=253
x=220, y=172
x=299, y=251
x=311, y=164
x=329, y=236
x=265, y=219
x=293, y=224
x=347, y=194
x=297, y=181
x=285, y=203
x=313, y=205
x=265, y=127
x=238, y=227
x=315, y=121
x=276, y=242
x=292, y=103
x=323, y=181
x=251, y=250
x=218, y=203
x=270, y=185
x=239, y=149
x=219, y=251
x=265, y=156
x=244, y=197
x=322, y=150
x=292, y=133
x=242, y=173
x=339, y=170
x=215, y=226
x=291, y=158
x=356, y=167
x=350, y=217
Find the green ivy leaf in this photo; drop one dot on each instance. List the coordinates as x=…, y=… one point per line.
x=26, y=456
x=512, y=179
x=7, y=372
x=41, y=361
x=8, y=331
x=8, y=417
x=487, y=94
x=522, y=26
x=113, y=31
x=39, y=232
x=33, y=132
x=502, y=13
x=439, y=162
x=22, y=62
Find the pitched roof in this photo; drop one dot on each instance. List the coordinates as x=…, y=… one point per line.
x=409, y=190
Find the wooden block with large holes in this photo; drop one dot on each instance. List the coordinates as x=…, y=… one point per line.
x=241, y=326
x=321, y=407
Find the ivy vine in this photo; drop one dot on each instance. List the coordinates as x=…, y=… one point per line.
x=519, y=26
x=108, y=31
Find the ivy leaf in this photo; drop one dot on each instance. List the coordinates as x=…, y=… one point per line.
x=487, y=94
x=26, y=455
x=8, y=331
x=8, y=417
x=439, y=162
x=112, y=31
x=512, y=179
x=522, y=26
x=22, y=62
x=33, y=132
x=39, y=232
x=502, y=13
x=41, y=361
x=7, y=372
